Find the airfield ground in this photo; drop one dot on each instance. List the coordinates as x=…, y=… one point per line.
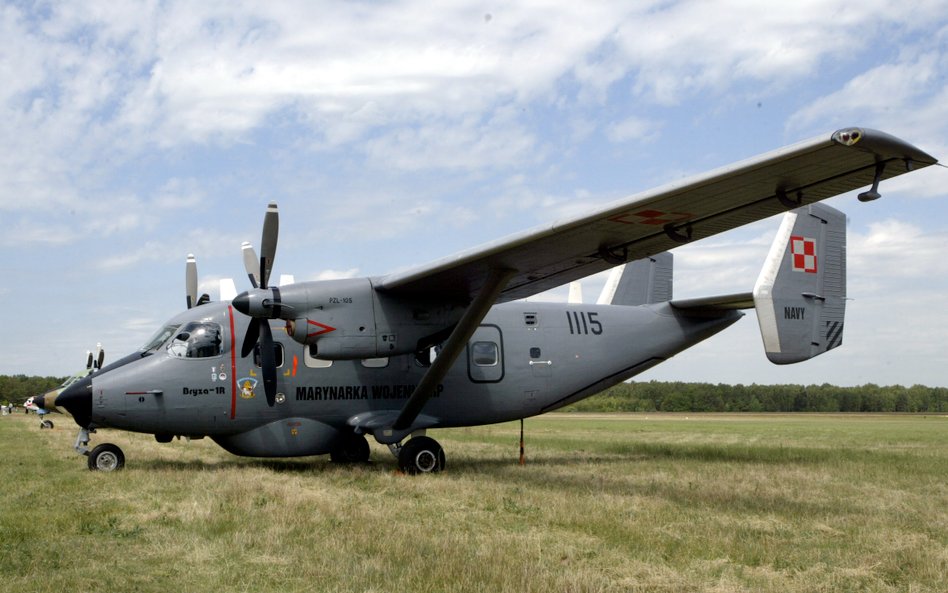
x=642, y=503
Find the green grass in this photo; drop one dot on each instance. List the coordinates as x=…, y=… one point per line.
x=605, y=503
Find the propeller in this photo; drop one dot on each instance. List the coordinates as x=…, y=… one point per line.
x=251, y=263
x=191, y=283
x=191, y=280
x=262, y=304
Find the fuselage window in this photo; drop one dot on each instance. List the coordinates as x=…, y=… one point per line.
x=375, y=363
x=423, y=358
x=196, y=340
x=277, y=354
x=310, y=360
x=485, y=354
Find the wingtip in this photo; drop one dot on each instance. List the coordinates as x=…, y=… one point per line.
x=882, y=144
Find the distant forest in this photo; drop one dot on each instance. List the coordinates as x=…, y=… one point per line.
x=655, y=396
x=16, y=388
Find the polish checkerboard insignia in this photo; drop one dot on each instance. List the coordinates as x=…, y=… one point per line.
x=803, y=254
x=651, y=217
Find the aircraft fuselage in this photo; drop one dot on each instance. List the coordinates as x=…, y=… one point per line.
x=525, y=358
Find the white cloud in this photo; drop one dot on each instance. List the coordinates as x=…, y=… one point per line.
x=633, y=129
x=684, y=47
x=906, y=95
x=895, y=257
x=337, y=274
x=466, y=144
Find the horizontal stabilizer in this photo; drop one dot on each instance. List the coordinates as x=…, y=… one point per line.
x=800, y=294
x=727, y=302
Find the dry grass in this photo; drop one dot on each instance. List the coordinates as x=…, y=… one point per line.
x=611, y=503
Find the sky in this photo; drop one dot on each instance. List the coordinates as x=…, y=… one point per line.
x=396, y=133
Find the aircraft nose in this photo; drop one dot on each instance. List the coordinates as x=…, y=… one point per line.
x=77, y=400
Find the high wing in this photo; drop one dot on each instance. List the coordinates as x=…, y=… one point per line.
x=660, y=219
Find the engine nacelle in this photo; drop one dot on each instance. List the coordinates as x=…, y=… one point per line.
x=347, y=319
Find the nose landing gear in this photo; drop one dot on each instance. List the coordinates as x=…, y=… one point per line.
x=105, y=457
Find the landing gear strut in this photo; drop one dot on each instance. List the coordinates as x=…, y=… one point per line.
x=421, y=455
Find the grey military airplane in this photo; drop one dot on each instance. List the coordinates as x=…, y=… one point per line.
x=454, y=343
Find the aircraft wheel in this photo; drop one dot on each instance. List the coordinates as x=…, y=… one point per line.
x=106, y=458
x=350, y=448
x=46, y=424
x=421, y=455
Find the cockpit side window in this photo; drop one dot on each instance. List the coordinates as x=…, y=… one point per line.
x=197, y=339
x=161, y=336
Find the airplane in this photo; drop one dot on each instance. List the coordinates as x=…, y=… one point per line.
x=36, y=403
x=453, y=342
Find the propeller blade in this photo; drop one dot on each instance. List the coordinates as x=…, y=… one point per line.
x=253, y=332
x=268, y=362
x=228, y=289
x=89, y=360
x=268, y=242
x=251, y=264
x=191, y=280
x=99, y=357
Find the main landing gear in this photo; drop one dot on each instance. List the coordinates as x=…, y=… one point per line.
x=104, y=458
x=350, y=448
x=420, y=455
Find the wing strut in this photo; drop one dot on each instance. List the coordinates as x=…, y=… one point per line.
x=452, y=348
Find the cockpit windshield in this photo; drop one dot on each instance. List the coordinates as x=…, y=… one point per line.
x=70, y=380
x=198, y=339
x=161, y=336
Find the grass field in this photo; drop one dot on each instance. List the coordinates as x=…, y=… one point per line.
x=605, y=503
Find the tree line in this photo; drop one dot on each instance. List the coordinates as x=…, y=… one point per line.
x=657, y=396
x=16, y=388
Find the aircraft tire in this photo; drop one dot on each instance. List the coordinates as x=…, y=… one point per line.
x=421, y=455
x=106, y=458
x=46, y=424
x=350, y=448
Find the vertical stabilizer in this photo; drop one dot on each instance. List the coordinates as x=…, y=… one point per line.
x=800, y=294
x=641, y=282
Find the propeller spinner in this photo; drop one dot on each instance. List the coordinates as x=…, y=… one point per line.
x=262, y=303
